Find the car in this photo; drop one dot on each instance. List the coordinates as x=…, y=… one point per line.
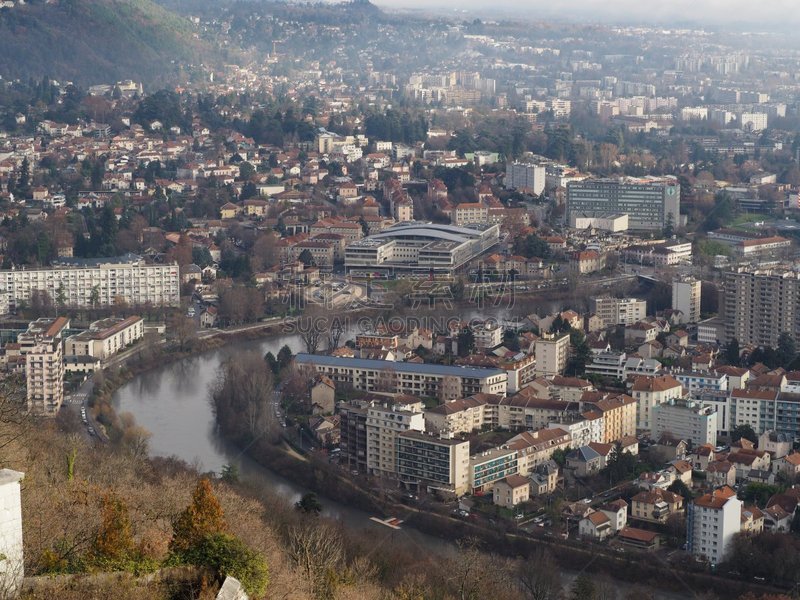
x=519, y=516
x=92, y=431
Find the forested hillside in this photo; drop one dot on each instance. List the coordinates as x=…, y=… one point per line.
x=98, y=41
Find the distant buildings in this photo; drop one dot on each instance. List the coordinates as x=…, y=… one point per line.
x=526, y=177
x=650, y=203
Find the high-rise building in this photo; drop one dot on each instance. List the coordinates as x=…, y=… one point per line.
x=686, y=298
x=760, y=304
x=44, y=365
x=526, y=177
x=650, y=203
x=711, y=523
x=552, y=352
x=686, y=420
x=383, y=425
x=619, y=311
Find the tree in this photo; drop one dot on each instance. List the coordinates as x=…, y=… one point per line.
x=184, y=331
x=230, y=473
x=466, y=342
x=539, y=576
x=202, y=518
x=228, y=555
x=583, y=588
x=318, y=550
x=309, y=504
x=732, y=353
x=787, y=349
x=680, y=488
x=242, y=397
x=114, y=539
x=743, y=431
x=306, y=258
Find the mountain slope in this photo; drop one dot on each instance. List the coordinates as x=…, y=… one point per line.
x=96, y=41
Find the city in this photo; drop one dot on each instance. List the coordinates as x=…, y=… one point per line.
x=513, y=302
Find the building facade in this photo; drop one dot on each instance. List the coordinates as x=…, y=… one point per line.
x=433, y=463
x=712, y=521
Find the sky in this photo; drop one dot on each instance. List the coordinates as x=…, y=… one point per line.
x=713, y=12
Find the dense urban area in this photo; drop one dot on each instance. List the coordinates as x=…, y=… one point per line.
x=536, y=288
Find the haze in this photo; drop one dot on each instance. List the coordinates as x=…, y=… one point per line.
x=714, y=12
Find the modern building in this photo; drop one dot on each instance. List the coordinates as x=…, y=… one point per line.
x=384, y=423
x=619, y=311
x=44, y=365
x=353, y=435
x=410, y=248
x=760, y=304
x=552, y=352
x=686, y=298
x=418, y=379
x=491, y=466
x=686, y=420
x=711, y=523
x=95, y=282
x=650, y=203
x=526, y=177
x=106, y=337
x=425, y=461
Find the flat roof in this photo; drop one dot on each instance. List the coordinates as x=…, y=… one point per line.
x=405, y=367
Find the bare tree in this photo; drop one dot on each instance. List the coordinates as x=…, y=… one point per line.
x=318, y=550
x=538, y=577
x=242, y=396
x=477, y=575
x=184, y=331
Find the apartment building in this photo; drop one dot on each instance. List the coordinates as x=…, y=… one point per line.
x=619, y=311
x=44, y=365
x=760, y=304
x=536, y=447
x=383, y=425
x=526, y=177
x=618, y=413
x=491, y=466
x=105, y=338
x=95, y=282
x=649, y=202
x=467, y=213
x=712, y=521
x=353, y=434
x=463, y=415
x=552, y=352
x=425, y=461
x=650, y=392
x=686, y=420
x=686, y=298
x=418, y=379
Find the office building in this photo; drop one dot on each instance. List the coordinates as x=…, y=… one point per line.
x=418, y=248
x=760, y=304
x=383, y=425
x=526, y=177
x=434, y=464
x=44, y=365
x=95, y=282
x=686, y=420
x=552, y=352
x=686, y=298
x=106, y=337
x=619, y=311
x=650, y=203
x=712, y=521
x=424, y=380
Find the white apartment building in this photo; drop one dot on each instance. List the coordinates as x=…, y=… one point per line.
x=105, y=338
x=619, y=311
x=526, y=177
x=650, y=392
x=487, y=334
x=96, y=282
x=687, y=420
x=711, y=523
x=383, y=425
x=686, y=298
x=424, y=461
x=552, y=352
x=468, y=213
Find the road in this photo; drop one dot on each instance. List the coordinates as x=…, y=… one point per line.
x=79, y=401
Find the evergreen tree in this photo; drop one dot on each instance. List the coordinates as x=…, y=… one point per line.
x=201, y=519
x=114, y=539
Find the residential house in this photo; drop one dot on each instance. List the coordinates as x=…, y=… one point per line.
x=322, y=395
x=511, y=491
x=656, y=505
x=596, y=526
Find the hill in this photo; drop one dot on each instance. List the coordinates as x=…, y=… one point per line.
x=97, y=41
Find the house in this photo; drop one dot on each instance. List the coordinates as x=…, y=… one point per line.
x=777, y=519
x=544, y=478
x=596, y=526
x=322, y=395
x=229, y=210
x=683, y=471
x=585, y=461
x=617, y=513
x=208, y=318
x=587, y=261
x=788, y=466
x=669, y=448
x=639, y=333
x=702, y=456
x=720, y=473
x=655, y=505
x=752, y=520
x=511, y=491
x=325, y=429
x=639, y=538
x=746, y=459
